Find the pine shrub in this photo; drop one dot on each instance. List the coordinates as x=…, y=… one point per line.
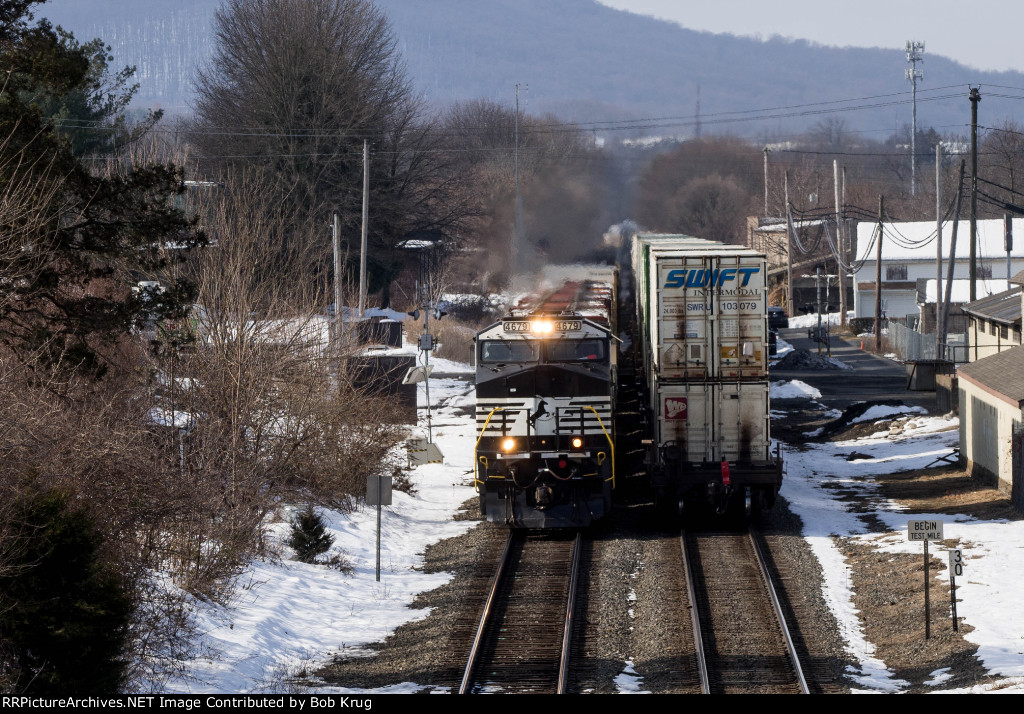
x=309, y=536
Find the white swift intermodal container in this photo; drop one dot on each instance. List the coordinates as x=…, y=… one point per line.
x=702, y=348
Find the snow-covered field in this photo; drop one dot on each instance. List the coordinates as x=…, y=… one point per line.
x=286, y=615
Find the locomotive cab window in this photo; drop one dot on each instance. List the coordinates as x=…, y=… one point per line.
x=576, y=351
x=509, y=351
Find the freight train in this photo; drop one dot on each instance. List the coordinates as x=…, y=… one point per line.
x=547, y=388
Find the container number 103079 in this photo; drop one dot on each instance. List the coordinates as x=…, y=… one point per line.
x=739, y=305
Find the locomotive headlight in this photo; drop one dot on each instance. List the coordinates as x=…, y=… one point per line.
x=577, y=442
x=543, y=327
x=508, y=444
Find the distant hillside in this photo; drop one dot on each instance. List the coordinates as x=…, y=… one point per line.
x=585, y=61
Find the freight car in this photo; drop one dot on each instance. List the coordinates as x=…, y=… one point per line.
x=545, y=388
x=701, y=341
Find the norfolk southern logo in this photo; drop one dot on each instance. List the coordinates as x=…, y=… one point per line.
x=683, y=278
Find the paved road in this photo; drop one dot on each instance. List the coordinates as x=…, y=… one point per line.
x=871, y=377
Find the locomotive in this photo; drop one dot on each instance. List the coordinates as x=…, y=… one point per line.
x=545, y=389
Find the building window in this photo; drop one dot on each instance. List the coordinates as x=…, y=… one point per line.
x=1004, y=332
x=895, y=272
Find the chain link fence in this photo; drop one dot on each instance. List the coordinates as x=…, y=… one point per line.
x=912, y=346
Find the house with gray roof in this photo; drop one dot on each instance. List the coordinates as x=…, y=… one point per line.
x=991, y=393
x=995, y=321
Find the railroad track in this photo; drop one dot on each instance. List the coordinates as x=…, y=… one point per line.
x=522, y=643
x=743, y=642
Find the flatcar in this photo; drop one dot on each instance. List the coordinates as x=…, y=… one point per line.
x=545, y=389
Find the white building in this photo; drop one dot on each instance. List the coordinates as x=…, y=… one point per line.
x=908, y=254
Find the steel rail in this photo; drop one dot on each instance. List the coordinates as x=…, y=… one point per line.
x=763, y=569
x=570, y=616
x=698, y=638
x=467, y=676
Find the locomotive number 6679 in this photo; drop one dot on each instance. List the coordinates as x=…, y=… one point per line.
x=545, y=450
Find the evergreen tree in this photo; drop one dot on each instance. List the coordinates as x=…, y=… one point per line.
x=309, y=536
x=74, y=239
x=64, y=613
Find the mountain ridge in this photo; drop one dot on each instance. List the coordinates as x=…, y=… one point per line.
x=586, y=62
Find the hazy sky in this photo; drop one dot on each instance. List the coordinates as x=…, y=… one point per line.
x=995, y=43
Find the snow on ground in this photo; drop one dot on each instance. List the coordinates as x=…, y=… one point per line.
x=629, y=682
x=881, y=411
x=839, y=363
x=993, y=550
x=811, y=320
x=793, y=389
x=782, y=348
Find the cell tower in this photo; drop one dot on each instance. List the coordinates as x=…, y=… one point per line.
x=915, y=54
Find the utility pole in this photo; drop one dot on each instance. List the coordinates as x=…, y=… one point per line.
x=839, y=245
x=845, y=252
x=878, y=274
x=952, y=260
x=789, y=252
x=1008, y=240
x=765, y=181
x=517, y=142
x=915, y=54
x=366, y=211
x=817, y=289
x=938, y=241
x=975, y=97
x=696, y=118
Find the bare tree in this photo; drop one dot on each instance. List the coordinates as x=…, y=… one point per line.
x=295, y=88
x=1002, y=161
x=704, y=187
x=562, y=182
x=258, y=408
x=830, y=134
x=711, y=207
